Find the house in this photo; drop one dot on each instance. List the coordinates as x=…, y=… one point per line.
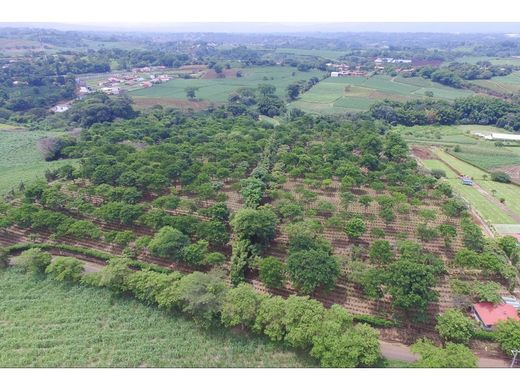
x=489, y=314
x=511, y=301
x=466, y=181
x=111, y=90
x=334, y=74
x=60, y=108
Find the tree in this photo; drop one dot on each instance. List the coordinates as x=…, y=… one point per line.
x=311, y=269
x=293, y=90
x=472, y=236
x=257, y=225
x=455, y=327
x=4, y=258
x=272, y=272
x=451, y=356
x=355, y=347
x=33, y=261
x=169, y=243
x=509, y=245
x=114, y=276
x=191, y=92
x=381, y=252
x=302, y=320
x=411, y=286
x=508, y=335
x=201, y=295
x=270, y=318
x=240, y=306
x=147, y=285
x=355, y=228
x=448, y=233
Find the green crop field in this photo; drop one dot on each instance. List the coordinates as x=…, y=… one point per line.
x=327, y=54
x=218, y=90
x=48, y=324
x=503, y=84
x=20, y=160
x=354, y=93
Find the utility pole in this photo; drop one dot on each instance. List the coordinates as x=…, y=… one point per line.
x=515, y=352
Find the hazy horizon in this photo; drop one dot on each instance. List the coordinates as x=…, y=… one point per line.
x=281, y=27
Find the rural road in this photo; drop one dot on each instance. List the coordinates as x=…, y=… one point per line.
x=398, y=351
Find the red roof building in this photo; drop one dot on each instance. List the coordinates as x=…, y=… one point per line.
x=489, y=313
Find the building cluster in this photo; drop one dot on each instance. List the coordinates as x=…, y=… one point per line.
x=142, y=77
x=345, y=70
x=498, y=136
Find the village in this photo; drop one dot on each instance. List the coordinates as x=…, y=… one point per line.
x=342, y=69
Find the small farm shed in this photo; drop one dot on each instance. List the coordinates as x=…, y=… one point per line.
x=488, y=313
x=467, y=181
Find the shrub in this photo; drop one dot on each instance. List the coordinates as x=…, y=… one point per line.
x=114, y=276
x=66, y=269
x=453, y=207
x=454, y=326
x=84, y=229
x=195, y=253
x=34, y=261
x=272, y=272
x=381, y=252
x=4, y=258
x=377, y=232
x=289, y=210
x=355, y=228
x=507, y=334
x=240, y=306
x=214, y=258
x=500, y=177
x=311, y=269
x=438, y=173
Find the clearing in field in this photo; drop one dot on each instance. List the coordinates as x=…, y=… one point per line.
x=20, y=161
x=217, y=90
x=48, y=324
x=354, y=93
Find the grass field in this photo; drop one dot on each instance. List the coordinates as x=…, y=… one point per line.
x=493, y=60
x=218, y=90
x=502, y=84
x=489, y=211
x=510, y=192
x=20, y=160
x=474, y=150
x=48, y=324
x=353, y=93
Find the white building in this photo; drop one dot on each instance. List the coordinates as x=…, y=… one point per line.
x=60, y=108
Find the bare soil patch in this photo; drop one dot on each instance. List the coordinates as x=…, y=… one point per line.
x=422, y=153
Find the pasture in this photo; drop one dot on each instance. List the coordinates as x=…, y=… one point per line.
x=354, y=93
x=49, y=324
x=218, y=90
x=493, y=60
x=20, y=161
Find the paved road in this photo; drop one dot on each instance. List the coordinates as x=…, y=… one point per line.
x=397, y=351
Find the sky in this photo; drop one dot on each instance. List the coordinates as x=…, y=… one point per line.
x=278, y=11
